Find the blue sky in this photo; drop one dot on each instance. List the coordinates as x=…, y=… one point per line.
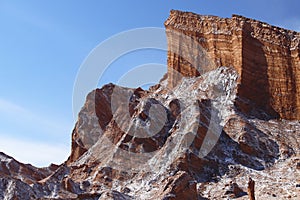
x=43, y=43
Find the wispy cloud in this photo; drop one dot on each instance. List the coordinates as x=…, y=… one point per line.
x=27, y=16
x=35, y=149
x=36, y=153
x=9, y=107
x=23, y=115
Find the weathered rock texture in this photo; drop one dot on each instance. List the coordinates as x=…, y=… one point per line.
x=189, y=142
x=266, y=57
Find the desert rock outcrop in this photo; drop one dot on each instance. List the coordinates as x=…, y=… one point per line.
x=193, y=135
x=266, y=57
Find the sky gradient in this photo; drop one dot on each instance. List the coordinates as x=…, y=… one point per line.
x=43, y=44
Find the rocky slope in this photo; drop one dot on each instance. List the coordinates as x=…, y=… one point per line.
x=16, y=178
x=195, y=135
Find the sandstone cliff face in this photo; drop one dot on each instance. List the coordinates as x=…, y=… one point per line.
x=266, y=57
x=184, y=142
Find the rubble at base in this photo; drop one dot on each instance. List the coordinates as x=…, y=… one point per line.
x=188, y=141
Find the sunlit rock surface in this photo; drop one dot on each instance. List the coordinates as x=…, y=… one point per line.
x=265, y=56
x=198, y=134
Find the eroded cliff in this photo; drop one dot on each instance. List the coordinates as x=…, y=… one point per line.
x=265, y=56
x=184, y=138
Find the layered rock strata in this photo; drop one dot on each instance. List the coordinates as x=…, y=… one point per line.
x=265, y=56
x=184, y=142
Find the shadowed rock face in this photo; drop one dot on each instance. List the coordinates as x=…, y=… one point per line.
x=185, y=137
x=266, y=57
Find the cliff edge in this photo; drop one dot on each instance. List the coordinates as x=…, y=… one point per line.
x=266, y=58
x=200, y=133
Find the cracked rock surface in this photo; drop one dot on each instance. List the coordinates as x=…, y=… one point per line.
x=198, y=134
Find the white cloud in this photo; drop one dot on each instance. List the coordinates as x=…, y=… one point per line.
x=36, y=153
x=9, y=107
x=41, y=123
x=31, y=150
x=28, y=15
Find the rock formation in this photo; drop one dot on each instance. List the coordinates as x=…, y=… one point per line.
x=251, y=189
x=184, y=138
x=266, y=58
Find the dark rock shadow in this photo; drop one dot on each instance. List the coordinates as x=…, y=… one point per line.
x=227, y=153
x=253, y=149
x=254, y=96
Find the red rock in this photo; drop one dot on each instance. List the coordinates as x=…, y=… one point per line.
x=180, y=186
x=265, y=56
x=251, y=189
x=115, y=156
x=235, y=191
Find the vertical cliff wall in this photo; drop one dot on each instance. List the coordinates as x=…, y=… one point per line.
x=266, y=57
